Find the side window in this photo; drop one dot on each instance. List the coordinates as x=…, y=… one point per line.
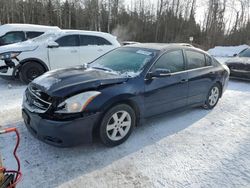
x=33, y=34
x=67, y=41
x=102, y=41
x=195, y=59
x=172, y=61
x=87, y=40
x=245, y=53
x=12, y=37
x=208, y=61
x=215, y=62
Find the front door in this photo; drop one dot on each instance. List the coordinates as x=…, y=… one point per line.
x=167, y=93
x=67, y=54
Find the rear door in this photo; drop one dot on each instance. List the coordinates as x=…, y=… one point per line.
x=168, y=93
x=67, y=54
x=200, y=75
x=92, y=47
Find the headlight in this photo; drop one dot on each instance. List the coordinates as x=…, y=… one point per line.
x=77, y=103
x=9, y=55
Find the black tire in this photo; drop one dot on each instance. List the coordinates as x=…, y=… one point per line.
x=208, y=105
x=104, y=134
x=29, y=71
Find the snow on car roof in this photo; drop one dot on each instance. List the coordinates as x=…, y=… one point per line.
x=160, y=46
x=71, y=31
x=25, y=27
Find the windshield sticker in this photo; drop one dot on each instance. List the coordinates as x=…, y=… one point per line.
x=144, y=52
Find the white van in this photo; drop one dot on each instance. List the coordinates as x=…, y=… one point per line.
x=65, y=48
x=13, y=33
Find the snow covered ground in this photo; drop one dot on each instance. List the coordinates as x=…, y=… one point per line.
x=193, y=148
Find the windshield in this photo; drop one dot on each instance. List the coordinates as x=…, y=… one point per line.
x=245, y=53
x=129, y=60
x=45, y=36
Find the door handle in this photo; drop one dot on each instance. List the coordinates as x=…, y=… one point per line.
x=100, y=50
x=73, y=51
x=183, y=81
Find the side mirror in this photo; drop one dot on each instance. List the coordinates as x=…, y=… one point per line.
x=235, y=55
x=53, y=44
x=159, y=73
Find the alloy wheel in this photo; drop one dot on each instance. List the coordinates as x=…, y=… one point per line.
x=214, y=96
x=118, y=125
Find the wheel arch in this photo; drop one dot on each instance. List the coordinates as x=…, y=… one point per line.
x=114, y=102
x=221, y=87
x=21, y=63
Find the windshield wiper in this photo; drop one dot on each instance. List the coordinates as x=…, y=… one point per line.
x=103, y=68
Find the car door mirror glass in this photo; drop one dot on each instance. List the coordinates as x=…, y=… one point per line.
x=53, y=44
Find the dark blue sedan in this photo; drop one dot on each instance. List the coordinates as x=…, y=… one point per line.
x=111, y=95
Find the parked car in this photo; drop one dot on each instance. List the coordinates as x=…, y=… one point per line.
x=30, y=59
x=13, y=33
x=240, y=65
x=115, y=92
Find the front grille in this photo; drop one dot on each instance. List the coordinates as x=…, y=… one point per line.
x=38, y=99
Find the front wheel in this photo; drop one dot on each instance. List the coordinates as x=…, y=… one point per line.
x=29, y=71
x=213, y=97
x=117, y=125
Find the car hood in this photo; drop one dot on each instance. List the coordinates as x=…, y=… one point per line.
x=67, y=82
x=19, y=47
x=239, y=60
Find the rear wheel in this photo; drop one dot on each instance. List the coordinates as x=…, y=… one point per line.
x=117, y=125
x=29, y=71
x=213, y=97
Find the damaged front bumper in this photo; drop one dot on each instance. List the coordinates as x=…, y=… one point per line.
x=62, y=130
x=61, y=133
x=8, y=67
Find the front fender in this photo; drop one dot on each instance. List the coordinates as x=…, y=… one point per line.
x=129, y=99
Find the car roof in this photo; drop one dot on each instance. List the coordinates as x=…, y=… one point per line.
x=165, y=46
x=130, y=42
x=98, y=33
x=25, y=27
x=111, y=38
x=160, y=46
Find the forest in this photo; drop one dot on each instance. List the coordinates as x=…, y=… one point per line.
x=209, y=22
